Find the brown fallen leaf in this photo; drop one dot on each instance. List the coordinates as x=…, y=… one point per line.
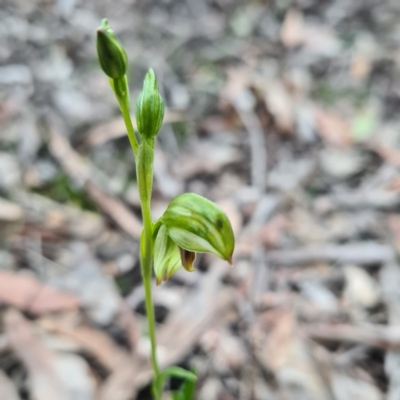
x=373, y=335
x=239, y=80
x=333, y=128
x=217, y=123
x=283, y=351
x=391, y=155
x=39, y=361
x=242, y=100
x=8, y=110
x=394, y=184
x=126, y=373
x=79, y=169
x=321, y=40
x=280, y=103
x=115, y=209
x=183, y=329
x=358, y=253
x=175, y=338
x=52, y=375
x=360, y=66
x=204, y=158
x=394, y=225
x=48, y=219
x=281, y=339
x=28, y=294
x=94, y=341
x=271, y=233
x=9, y=211
x=11, y=218
x=127, y=321
x=292, y=32
x=227, y=350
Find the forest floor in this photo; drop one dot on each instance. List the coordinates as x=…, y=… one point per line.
x=285, y=113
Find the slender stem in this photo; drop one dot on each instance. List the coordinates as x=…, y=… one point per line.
x=146, y=266
x=129, y=128
x=146, y=260
x=151, y=323
x=121, y=90
x=146, y=240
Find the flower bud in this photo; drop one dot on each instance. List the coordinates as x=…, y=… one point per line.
x=111, y=54
x=198, y=225
x=149, y=107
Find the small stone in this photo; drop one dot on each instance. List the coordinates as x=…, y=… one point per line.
x=211, y=389
x=346, y=387
x=15, y=74
x=342, y=163
x=361, y=289
x=319, y=295
x=10, y=174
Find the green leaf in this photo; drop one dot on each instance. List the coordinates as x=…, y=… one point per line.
x=175, y=372
x=111, y=54
x=198, y=225
x=363, y=125
x=149, y=107
x=186, y=391
x=167, y=258
x=144, y=164
x=178, y=372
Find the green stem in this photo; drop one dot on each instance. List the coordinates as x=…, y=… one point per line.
x=146, y=246
x=129, y=128
x=146, y=266
x=120, y=88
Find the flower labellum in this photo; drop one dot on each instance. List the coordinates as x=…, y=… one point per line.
x=111, y=54
x=187, y=258
x=149, y=108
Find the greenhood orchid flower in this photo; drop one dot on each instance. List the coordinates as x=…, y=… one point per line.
x=191, y=224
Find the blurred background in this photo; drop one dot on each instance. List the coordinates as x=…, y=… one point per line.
x=287, y=114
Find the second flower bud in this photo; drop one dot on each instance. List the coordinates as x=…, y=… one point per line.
x=149, y=108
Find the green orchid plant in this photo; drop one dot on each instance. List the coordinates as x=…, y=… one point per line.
x=191, y=224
